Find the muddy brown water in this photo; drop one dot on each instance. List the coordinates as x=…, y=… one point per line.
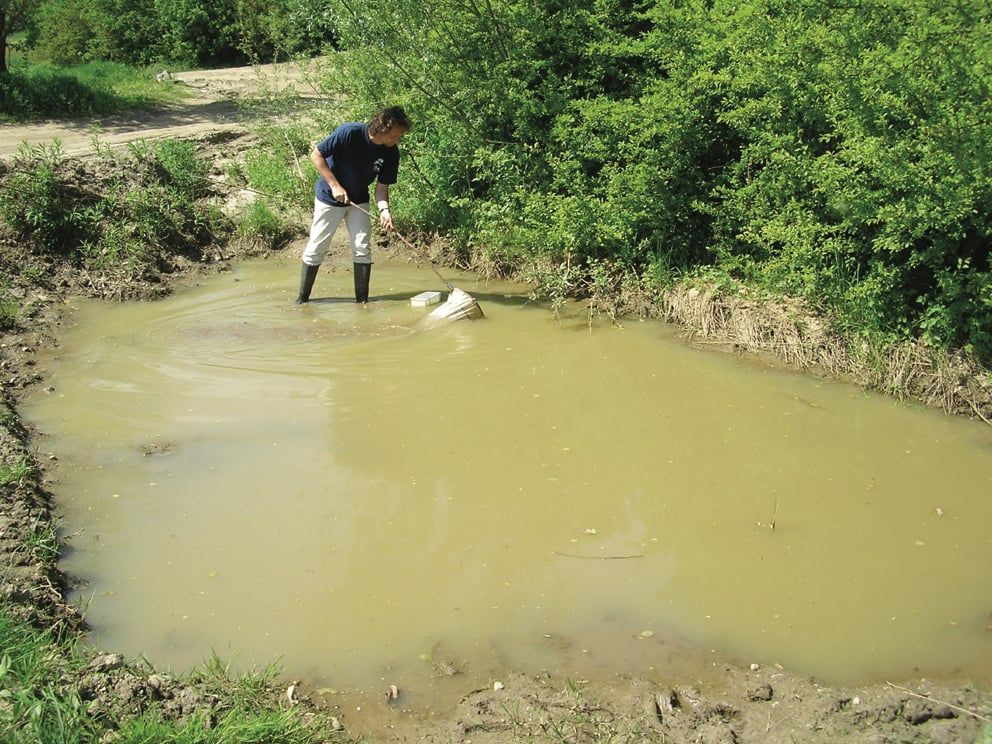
x=368, y=503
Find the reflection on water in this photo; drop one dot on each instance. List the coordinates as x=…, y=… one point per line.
x=331, y=486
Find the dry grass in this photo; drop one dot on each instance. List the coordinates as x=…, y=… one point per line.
x=792, y=333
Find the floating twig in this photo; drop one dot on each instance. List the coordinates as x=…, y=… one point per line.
x=598, y=557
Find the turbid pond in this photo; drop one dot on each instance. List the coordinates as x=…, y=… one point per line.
x=367, y=501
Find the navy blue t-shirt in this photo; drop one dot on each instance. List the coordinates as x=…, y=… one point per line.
x=356, y=163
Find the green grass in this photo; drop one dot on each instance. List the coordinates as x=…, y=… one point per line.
x=9, y=308
x=261, y=226
x=268, y=171
x=39, y=701
x=33, y=708
x=14, y=472
x=44, y=541
x=45, y=90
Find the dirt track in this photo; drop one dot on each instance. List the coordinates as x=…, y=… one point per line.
x=212, y=107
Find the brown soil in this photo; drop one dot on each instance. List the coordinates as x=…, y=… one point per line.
x=737, y=703
x=211, y=107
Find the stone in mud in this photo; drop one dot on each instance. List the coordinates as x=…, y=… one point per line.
x=107, y=662
x=665, y=704
x=762, y=693
x=918, y=711
x=184, y=702
x=148, y=449
x=157, y=682
x=130, y=692
x=691, y=695
x=445, y=668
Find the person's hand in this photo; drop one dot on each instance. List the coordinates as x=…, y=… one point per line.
x=385, y=219
x=339, y=194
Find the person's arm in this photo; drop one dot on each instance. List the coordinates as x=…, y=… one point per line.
x=382, y=202
x=337, y=190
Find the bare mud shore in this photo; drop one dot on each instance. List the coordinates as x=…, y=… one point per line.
x=737, y=702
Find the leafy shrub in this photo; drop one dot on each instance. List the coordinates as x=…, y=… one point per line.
x=840, y=153
x=44, y=90
x=282, y=29
x=181, y=168
x=119, y=219
x=189, y=33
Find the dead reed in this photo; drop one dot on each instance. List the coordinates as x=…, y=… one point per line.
x=789, y=331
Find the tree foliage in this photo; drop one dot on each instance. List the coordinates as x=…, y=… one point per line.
x=193, y=33
x=281, y=29
x=838, y=150
x=15, y=15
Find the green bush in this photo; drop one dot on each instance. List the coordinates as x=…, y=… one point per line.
x=268, y=172
x=840, y=153
x=180, y=167
x=45, y=90
x=142, y=210
x=271, y=30
x=187, y=33
x=40, y=203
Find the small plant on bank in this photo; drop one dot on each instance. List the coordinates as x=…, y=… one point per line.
x=42, y=205
x=261, y=227
x=279, y=168
x=10, y=309
x=285, y=183
x=557, y=283
x=15, y=472
x=44, y=541
x=178, y=165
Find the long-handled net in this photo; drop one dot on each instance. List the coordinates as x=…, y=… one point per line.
x=459, y=304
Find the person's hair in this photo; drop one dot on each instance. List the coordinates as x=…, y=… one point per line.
x=383, y=121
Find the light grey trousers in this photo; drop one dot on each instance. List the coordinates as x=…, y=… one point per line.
x=326, y=219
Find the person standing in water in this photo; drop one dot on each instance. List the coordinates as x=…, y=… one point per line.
x=348, y=161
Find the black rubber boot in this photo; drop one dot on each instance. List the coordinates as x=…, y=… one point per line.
x=363, y=272
x=307, y=277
